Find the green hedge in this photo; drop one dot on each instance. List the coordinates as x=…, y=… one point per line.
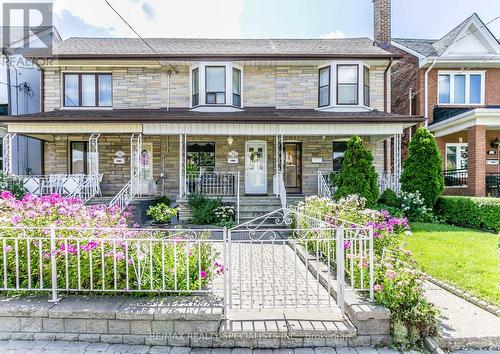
x=482, y=213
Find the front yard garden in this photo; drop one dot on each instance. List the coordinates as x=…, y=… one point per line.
x=463, y=257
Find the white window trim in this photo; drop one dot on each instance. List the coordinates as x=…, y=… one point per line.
x=228, y=89
x=62, y=107
x=467, y=87
x=458, y=156
x=333, y=86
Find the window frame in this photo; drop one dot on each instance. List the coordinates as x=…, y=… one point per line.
x=339, y=84
x=467, y=75
x=216, y=92
x=366, y=87
x=80, y=92
x=329, y=67
x=85, y=155
x=458, y=158
x=240, y=86
x=193, y=94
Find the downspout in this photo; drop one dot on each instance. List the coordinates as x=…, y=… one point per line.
x=385, y=83
x=9, y=94
x=168, y=90
x=426, y=93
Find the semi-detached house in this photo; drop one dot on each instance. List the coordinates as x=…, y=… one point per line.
x=227, y=117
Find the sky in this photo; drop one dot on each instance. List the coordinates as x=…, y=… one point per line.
x=264, y=18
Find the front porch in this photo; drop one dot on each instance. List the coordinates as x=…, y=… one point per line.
x=469, y=144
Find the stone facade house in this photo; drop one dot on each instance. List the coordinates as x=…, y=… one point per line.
x=228, y=117
x=454, y=82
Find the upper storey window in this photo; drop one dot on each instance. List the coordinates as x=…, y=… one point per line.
x=87, y=90
x=216, y=84
x=461, y=88
x=347, y=84
x=343, y=85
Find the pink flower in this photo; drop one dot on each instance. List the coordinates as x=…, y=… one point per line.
x=6, y=195
x=378, y=287
x=15, y=219
x=7, y=248
x=119, y=256
x=203, y=274
x=390, y=274
x=347, y=244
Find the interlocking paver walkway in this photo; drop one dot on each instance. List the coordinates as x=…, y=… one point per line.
x=84, y=347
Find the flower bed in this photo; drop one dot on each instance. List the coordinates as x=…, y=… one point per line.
x=95, y=250
x=397, y=285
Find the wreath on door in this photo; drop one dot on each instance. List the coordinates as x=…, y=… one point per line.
x=254, y=156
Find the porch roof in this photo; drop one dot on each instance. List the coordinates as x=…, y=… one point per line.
x=248, y=116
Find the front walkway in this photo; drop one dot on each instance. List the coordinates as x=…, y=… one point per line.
x=86, y=347
x=463, y=324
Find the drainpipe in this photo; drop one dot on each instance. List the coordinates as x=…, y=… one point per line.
x=168, y=90
x=385, y=83
x=426, y=93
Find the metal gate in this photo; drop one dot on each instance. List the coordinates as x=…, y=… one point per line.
x=273, y=262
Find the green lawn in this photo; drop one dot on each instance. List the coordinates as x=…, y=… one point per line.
x=467, y=258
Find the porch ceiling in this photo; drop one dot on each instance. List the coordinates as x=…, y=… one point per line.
x=489, y=117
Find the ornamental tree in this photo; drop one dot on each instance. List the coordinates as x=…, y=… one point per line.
x=423, y=168
x=357, y=175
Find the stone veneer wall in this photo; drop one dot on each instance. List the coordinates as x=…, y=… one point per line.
x=283, y=87
x=115, y=176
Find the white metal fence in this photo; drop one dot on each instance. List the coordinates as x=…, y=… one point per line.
x=250, y=266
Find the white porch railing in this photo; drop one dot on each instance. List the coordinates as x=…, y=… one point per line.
x=123, y=198
x=324, y=188
x=215, y=184
x=61, y=184
x=279, y=188
x=388, y=180
x=87, y=190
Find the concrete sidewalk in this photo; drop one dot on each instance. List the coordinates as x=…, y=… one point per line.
x=463, y=324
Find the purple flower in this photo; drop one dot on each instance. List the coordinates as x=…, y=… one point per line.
x=15, y=219
x=7, y=248
x=347, y=244
x=6, y=195
x=203, y=274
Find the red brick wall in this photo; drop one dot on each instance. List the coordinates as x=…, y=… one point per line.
x=492, y=88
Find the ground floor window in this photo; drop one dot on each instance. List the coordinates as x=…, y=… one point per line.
x=339, y=148
x=78, y=157
x=456, y=156
x=200, y=157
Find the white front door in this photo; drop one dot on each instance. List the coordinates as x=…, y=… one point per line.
x=256, y=167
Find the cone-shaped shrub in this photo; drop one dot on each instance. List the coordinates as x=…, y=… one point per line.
x=423, y=168
x=357, y=175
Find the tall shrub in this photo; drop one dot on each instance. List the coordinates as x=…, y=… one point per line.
x=423, y=168
x=357, y=175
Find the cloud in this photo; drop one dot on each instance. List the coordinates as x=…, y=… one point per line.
x=334, y=34
x=157, y=18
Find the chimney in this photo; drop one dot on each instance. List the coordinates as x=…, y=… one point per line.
x=382, y=22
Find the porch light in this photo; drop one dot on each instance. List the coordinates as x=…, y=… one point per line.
x=495, y=143
x=230, y=141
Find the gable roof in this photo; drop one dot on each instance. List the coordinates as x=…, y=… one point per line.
x=12, y=35
x=438, y=47
x=201, y=47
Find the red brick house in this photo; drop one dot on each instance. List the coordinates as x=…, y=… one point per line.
x=454, y=82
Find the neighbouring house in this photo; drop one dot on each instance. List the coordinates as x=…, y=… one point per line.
x=227, y=117
x=454, y=82
x=20, y=85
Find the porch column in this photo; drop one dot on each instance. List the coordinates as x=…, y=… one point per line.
x=397, y=161
x=7, y=153
x=93, y=161
x=476, y=161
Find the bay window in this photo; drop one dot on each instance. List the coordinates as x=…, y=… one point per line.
x=366, y=86
x=460, y=88
x=324, y=87
x=87, y=90
x=215, y=84
x=347, y=84
x=195, y=90
x=236, y=87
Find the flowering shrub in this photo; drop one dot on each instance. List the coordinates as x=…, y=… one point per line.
x=161, y=213
x=413, y=206
x=397, y=285
x=224, y=216
x=12, y=185
x=94, y=249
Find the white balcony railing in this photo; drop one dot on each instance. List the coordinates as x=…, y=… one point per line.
x=87, y=190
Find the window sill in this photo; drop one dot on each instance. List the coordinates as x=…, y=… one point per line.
x=86, y=108
x=216, y=108
x=345, y=108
